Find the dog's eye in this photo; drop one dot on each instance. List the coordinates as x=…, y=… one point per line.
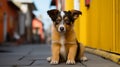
x=57, y=21
x=67, y=21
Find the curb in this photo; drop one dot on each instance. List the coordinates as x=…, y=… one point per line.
x=113, y=57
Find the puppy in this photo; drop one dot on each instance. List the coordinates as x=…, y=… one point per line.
x=64, y=43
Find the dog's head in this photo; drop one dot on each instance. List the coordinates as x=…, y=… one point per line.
x=63, y=20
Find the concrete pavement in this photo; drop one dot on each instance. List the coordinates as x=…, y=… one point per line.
x=34, y=55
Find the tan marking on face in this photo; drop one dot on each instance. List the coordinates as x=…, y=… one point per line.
x=66, y=18
x=67, y=26
x=59, y=18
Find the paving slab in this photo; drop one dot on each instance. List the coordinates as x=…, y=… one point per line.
x=17, y=63
x=6, y=66
x=37, y=57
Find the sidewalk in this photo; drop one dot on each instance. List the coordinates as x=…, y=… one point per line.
x=35, y=56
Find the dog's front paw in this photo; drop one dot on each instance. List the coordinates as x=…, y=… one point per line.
x=84, y=58
x=70, y=62
x=54, y=62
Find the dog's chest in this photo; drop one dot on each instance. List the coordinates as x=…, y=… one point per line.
x=62, y=49
x=62, y=40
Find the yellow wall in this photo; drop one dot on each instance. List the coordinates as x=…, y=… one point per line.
x=117, y=26
x=102, y=25
x=93, y=25
x=99, y=25
x=82, y=24
x=106, y=24
x=69, y=4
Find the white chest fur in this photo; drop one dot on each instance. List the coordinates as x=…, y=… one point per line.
x=62, y=50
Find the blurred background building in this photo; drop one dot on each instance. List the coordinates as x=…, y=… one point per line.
x=16, y=17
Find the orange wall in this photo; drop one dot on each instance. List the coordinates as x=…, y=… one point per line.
x=11, y=12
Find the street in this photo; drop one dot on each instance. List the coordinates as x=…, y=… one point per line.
x=34, y=55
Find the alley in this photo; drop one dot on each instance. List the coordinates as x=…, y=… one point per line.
x=34, y=55
x=23, y=23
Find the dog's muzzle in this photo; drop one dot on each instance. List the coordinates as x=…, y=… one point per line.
x=61, y=29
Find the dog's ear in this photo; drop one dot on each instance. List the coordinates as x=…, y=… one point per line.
x=53, y=14
x=75, y=13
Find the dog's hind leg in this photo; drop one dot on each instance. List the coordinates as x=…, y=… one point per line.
x=48, y=59
x=82, y=51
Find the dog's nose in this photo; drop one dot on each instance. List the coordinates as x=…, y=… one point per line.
x=61, y=28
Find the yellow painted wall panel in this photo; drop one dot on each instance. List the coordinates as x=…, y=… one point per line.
x=106, y=24
x=119, y=27
x=117, y=19
x=82, y=24
x=69, y=4
x=113, y=49
x=93, y=25
x=99, y=24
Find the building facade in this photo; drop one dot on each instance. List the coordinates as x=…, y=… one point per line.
x=8, y=18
